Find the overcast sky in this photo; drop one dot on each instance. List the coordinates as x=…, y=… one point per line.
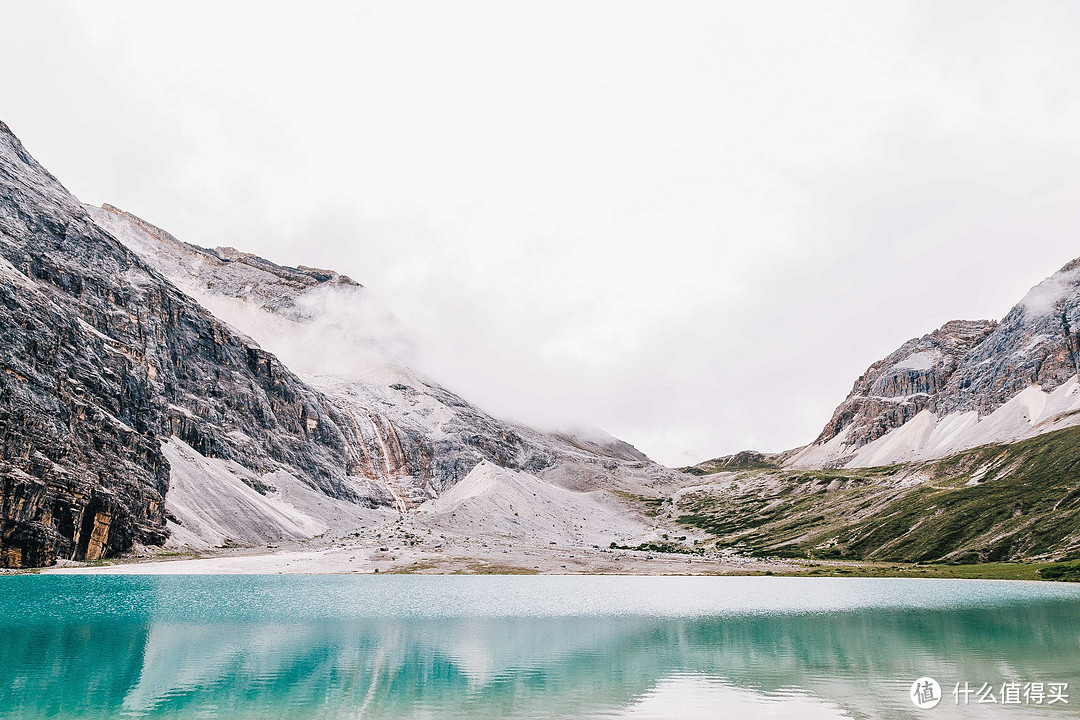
x=690, y=224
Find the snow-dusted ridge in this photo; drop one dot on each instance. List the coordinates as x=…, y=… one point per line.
x=964, y=385
x=928, y=436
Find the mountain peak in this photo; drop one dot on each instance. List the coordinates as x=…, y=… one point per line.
x=969, y=382
x=900, y=386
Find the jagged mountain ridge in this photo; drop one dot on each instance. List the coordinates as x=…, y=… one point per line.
x=906, y=382
x=318, y=321
x=966, y=384
x=102, y=358
x=959, y=447
x=420, y=437
x=126, y=363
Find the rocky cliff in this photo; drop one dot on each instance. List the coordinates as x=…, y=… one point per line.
x=897, y=388
x=149, y=387
x=102, y=358
x=1037, y=344
x=966, y=384
x=418, y=437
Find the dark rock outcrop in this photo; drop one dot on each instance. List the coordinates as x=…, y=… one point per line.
x=1038, y=343
x=101, y=358
x=115, y=336
x=967, y=367
x=897, y=388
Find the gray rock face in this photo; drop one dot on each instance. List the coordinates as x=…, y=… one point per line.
x=968, y=366
x=100, y=359
x=417, y=438
x=115, y=336
x=897, y=388
x=1036, y=344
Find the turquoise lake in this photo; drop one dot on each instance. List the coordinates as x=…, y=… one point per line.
x=110, y=646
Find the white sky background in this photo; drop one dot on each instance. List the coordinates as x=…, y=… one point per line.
x=690, y=224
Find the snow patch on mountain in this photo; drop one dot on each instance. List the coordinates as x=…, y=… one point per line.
x=924, y=360
x=929, y=436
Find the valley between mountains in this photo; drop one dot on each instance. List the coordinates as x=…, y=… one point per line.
x=171, y=408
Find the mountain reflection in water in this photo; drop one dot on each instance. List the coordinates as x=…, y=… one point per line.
x=349, y=647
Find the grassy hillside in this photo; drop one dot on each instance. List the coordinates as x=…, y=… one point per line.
x=745, y=460
x=989, y=504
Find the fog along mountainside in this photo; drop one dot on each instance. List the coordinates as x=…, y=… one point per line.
x=142, y=401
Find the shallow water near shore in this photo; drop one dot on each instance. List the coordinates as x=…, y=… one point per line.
x=527, y=647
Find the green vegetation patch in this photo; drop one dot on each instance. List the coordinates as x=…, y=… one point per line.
x=1067, y=572
x=660, y=546
x=745, y=460
x=652, y=505
x=991, y=504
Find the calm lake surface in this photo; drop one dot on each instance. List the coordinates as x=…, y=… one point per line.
x=110, y=646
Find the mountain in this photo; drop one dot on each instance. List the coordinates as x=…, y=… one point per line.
x=418, y=437
x=153, y=391
x=743, y=460
x=335, y=334
x=969, y=383
x=960, y=446
x=102, y=358
x=1000, y=502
